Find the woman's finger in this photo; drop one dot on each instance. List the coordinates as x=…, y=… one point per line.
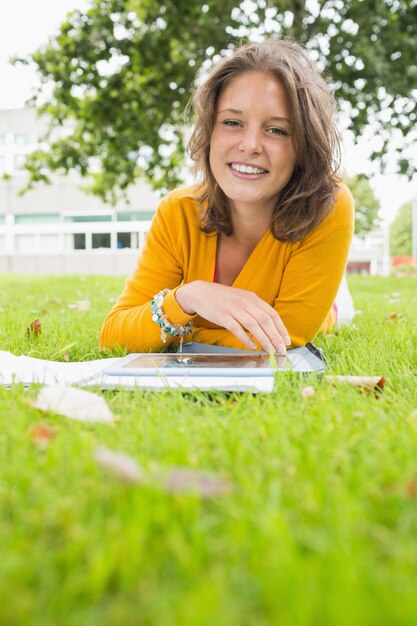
x=263, y=329
x=237, y=330
x=279, y=324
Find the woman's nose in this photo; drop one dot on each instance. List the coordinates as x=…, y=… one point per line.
x=251, y=140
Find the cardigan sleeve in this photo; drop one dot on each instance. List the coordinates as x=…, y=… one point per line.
x=314, y=270
x=129, y=324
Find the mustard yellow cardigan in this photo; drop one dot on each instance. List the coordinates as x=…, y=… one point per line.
x=299, y=279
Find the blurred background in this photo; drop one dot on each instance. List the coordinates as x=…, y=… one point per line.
x=92, y=126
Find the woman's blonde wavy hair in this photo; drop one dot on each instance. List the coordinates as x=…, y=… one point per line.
x=310, y=193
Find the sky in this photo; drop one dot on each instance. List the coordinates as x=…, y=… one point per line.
x=27, y=24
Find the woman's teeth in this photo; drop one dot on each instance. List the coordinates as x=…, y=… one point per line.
x=247, y=169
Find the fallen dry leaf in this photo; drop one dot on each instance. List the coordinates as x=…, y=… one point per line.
x=171, y=480
x=41, y=435
x=120, y=464
x=412, y=488
x=34, y=329
x=76, y=404
x=393, y=316
x=81, y=305
x=184, y=480
x=66, y=357
x=307, y=392
x=365, y=383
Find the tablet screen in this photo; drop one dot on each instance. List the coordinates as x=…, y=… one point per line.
x=218, y=361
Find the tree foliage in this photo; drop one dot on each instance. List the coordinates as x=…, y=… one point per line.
x=401, y=232
x=366, y=204
x=119, y=76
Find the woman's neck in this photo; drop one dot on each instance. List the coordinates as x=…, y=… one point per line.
x=249, y=226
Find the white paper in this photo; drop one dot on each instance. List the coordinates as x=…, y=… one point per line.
x=27, y=370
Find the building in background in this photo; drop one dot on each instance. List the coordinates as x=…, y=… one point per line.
x=58, y=228
x=370, y=254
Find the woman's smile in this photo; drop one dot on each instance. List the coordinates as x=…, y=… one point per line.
x=247, y=170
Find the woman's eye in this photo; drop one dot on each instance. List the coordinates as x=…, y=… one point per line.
x=277, y=131
x=231, y=123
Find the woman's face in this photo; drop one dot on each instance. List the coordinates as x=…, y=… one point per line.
x=251, y=152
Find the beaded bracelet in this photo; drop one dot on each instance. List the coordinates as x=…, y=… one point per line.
x=158, y=316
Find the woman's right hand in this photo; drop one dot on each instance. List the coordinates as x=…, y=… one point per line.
x=238, y=310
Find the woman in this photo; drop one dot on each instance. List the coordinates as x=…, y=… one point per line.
x=251, y=257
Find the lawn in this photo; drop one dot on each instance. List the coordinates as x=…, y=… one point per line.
x=319, y=529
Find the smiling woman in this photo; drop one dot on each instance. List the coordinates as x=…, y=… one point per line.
x=253, y=254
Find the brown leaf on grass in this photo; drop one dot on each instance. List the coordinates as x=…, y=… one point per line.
x=41, y=435
x=412, y=488
x=184, y=480
x=364, y=383
x=120, y=464
x=393, y=316
x=171, y=480
x=77, y=404
x=307, y=392
x=34, y=329
x=66, y=357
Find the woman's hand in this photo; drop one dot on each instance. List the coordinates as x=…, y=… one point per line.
x=237, y=310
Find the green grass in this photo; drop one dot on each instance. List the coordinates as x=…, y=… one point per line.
x=321, y=526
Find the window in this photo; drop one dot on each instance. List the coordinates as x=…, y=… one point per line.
x=36, y=218
x=124, y=240
x=87, y=218
x=136, y=215
x=50, y=243
x=2, y=219
x=21, y=139
x=2, y=139
x=25, y=243
x=100, y=240
x=79, y=241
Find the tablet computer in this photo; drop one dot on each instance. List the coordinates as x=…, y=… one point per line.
x=198, y=364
